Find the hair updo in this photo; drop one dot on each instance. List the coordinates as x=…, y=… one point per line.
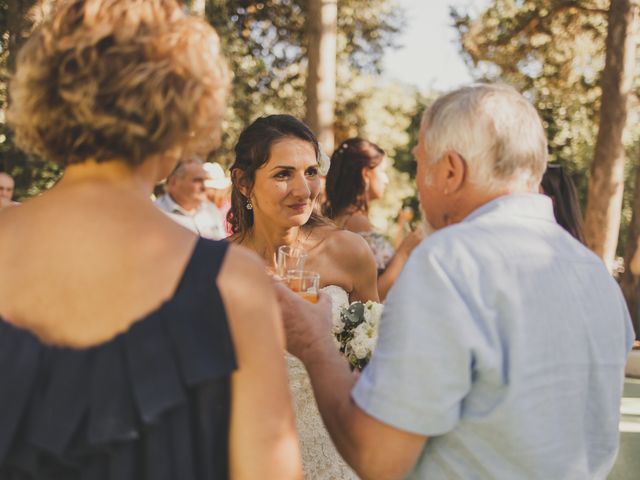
x=345, y=185
x=107, y=79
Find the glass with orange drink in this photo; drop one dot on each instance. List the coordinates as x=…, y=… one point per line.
x=304, y=283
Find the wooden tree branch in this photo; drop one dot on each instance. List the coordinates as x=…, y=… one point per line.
x=630, y=282
x=606, y=181
x=321, y=79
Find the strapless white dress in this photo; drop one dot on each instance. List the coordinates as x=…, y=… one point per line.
x=320, y=459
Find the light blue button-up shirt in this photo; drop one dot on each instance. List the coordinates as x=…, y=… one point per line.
x=206, y=220
x=504, y=340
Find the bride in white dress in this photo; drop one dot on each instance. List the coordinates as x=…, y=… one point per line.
x=276, y=182
x=320, y=459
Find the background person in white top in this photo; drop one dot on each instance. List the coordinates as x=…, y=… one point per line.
x=185, y=200
x=502, y=346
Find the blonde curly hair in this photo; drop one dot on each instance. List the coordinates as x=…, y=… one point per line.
x=118, y=79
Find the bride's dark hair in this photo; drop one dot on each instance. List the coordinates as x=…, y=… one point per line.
x=251, y=152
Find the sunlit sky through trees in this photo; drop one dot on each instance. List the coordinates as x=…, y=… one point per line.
x=429, y=56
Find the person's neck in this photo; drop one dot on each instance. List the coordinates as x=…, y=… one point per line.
x=265, y=239
x=475, y=198
x=113, y=173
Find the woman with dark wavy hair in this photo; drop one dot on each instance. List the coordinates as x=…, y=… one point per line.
x=276, y=182
x=128, y=348
x=358, y=176
x=557, y=184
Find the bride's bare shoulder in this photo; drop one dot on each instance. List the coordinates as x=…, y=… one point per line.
x=350, y=254
x=346, y=245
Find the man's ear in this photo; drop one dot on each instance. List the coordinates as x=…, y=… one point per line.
x=241, y=182
x=455, y=171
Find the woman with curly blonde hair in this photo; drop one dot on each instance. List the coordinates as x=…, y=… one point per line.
x=127, y=347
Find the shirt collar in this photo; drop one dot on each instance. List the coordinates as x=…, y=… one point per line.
x=173, y=207
x=532, y=205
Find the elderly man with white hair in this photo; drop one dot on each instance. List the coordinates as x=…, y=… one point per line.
x=502, y=346
x=185, y=200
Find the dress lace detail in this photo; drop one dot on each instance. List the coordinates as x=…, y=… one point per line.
x=320, y=459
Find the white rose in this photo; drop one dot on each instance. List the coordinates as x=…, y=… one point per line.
x=361, y=332
x=371, y=342
x=338, y=326
x=375, y=312
x=367, y=312
x=360, y=351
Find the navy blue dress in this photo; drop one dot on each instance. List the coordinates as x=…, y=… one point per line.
x=152, y=403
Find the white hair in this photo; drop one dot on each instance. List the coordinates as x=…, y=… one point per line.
x=178, y=170
x=495, y=129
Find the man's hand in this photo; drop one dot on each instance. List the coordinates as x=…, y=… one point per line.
x=306, y=325
x=374, y=449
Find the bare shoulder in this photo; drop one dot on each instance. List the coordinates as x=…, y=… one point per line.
x=243, y=282
x=7, y=218
x=242, y=267
x=7, y=233
x=15, y=222
x=354, y=258
x=13, y=213
x=358, y=222
x=249, y=300
x=350, y=248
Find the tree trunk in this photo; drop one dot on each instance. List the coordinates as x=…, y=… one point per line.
x=630, y=282
x=322, y=29
x=606, y=181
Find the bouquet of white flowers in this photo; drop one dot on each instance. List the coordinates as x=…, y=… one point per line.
x=355, y=328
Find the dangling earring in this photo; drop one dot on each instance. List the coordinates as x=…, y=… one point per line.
x=249, y=206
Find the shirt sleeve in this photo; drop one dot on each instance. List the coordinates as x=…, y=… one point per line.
x=421, y=369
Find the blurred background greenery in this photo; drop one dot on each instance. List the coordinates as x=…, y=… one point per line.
x=554, y=51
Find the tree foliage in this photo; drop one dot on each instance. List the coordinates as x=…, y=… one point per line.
x=606, y=180
x=265, y=42
x=32, y=174
x=554, y=52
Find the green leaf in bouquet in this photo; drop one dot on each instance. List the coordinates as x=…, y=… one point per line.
x=354, y=314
